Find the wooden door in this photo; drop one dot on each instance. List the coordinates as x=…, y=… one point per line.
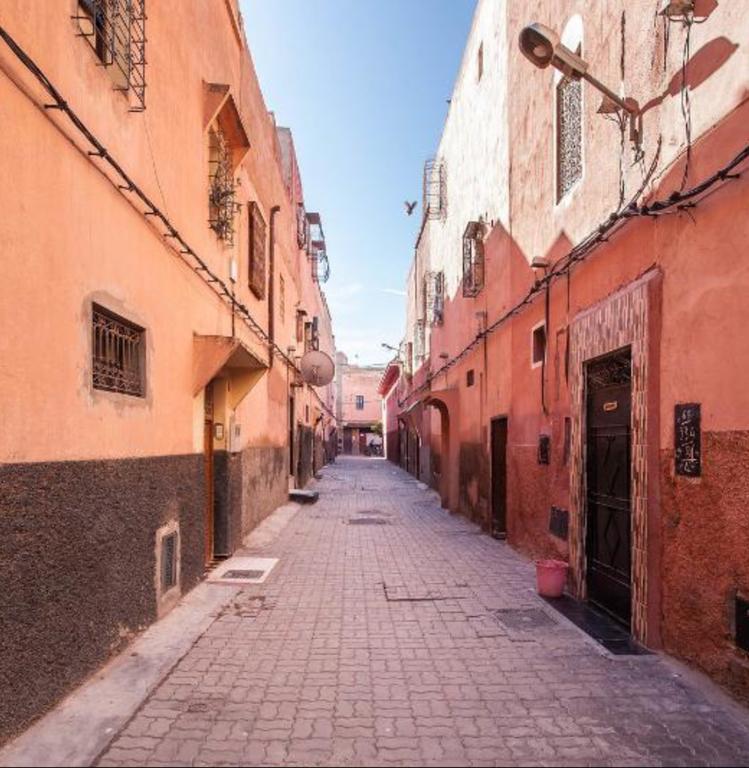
x=608, y=471
x=209, y=474
x=499, y=477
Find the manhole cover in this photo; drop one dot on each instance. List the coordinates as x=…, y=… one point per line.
x=242, y=574
x=367, y=521
x=524, y=619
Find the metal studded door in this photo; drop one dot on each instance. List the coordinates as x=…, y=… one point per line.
x=608, y=470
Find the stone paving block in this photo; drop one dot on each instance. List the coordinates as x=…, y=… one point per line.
x=377, y=645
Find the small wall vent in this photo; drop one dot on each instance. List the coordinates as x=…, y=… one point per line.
x=168, y=561
x=742, y=623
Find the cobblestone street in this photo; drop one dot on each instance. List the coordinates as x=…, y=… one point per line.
x=385, y=635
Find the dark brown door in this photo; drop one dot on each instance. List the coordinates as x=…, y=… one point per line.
x=348, y=441
x=291, y=436
x=499, y=477
x=609, y=557
x=208, y=460
x=362, y=443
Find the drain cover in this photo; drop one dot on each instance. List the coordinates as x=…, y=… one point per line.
x=242, y=574
x=524, y=619
x=372, y=512
x=367, y=521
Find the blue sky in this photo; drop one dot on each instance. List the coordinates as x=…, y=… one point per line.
x=363, y=84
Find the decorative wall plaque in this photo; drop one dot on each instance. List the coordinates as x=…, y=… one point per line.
x=687, y=444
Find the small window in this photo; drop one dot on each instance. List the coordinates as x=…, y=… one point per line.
x=306, y=413
x=470, y=378
x=118, y=354
x=544, y=449
x=116, y=30
x=360, y=402
x=539, y=345
x=473, y=259
x=221, y=188
x=168, y=561
x=480, y=62
x=300, y=315
x=256, y=274
x=569, y=134
x=567, y=440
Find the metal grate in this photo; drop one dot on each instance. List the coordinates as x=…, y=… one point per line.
x=222, y=205
x=116, y=30
x=249, y=575
x=569, y=135
x=473, y=259
x=435, y=189
x=367, y=521
x=169, y=561
x=118, y=354
x=524, y=619
x=256, y=271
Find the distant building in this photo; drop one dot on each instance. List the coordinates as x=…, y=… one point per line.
x=359, y=408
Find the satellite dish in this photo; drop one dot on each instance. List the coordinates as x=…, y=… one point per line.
x=317, y=368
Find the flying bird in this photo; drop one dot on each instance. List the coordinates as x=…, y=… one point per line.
x=410, y=207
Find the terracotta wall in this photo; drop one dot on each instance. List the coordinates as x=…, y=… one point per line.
x=71, y=237
x=691, y=562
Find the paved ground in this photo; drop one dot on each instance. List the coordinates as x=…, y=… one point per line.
x=379, y=644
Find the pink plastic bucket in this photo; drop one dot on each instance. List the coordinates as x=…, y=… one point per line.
x=551, y=576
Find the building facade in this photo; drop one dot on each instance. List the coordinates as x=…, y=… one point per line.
x=574, y=361
x=359, y=408
x=162, y=280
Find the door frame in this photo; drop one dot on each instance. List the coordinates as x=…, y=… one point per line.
x=590, y=549
x=495, y=419
x=209, y=471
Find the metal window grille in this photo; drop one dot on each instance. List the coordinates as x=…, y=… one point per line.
x=118, y=354
x=434, y=185
x=302, y=226
x=360, y=402
x=473, y=259
x=315, y=333
x=116, y=30
x=569, y=135
x=257, y=251
x=420, y=340
x=222, y=205
x=168, y=561
x=434, y=292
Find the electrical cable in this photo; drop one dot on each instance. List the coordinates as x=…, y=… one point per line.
x=172, y=236
x=678, y=201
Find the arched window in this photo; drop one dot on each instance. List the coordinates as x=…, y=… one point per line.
x=569, y=117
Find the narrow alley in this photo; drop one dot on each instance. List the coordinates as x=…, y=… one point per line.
x=391, y=632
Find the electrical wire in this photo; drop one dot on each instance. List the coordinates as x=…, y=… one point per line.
x=172, y=237
x=678, y=201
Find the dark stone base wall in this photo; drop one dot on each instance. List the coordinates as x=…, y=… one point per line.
x=260, y=480
x=305, y=468
x=705, y=561
x=77, y=567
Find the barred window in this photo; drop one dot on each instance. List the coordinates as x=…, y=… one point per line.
x=116, y=30
x=257, y=251
x=222, y=206
x=434, y=297
x=360, y=402
x=118, y=353
x=569, y=135
x=473, y=259
x=434, y=189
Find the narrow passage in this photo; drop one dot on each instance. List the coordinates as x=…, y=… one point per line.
x=392, y=633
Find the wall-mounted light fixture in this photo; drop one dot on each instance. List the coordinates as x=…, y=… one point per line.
x=677, y=10
x=542, y=47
